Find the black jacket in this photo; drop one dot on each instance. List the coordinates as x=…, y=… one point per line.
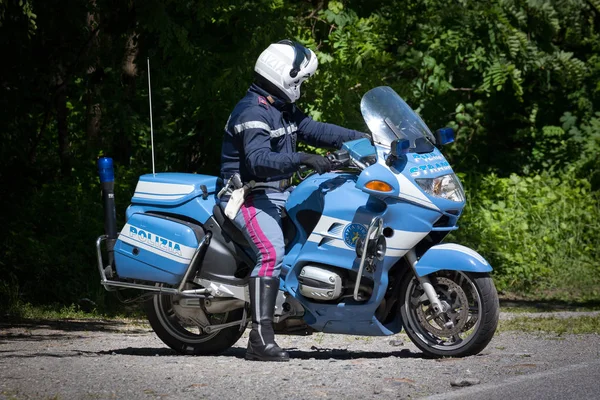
x=260, y=138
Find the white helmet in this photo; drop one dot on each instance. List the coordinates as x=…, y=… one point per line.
x=286, y=65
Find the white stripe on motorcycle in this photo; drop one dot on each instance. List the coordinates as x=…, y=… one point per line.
x=389, y=252
x=325, y=224
x=158, y=196
x=186, y=252
x=404, y=239
x=322, y=231
x=461, y=249
x=397, y=245
x=334, y=242
x=144, y=187
x=395, y=252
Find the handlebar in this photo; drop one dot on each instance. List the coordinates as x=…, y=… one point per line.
x=339, y=159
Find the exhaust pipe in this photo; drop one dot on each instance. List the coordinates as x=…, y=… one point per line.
x=107, y=179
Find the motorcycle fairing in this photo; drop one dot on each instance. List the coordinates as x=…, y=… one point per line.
x=410, y=213
x=347, y=316
x=400, y=216
x=451, y=256
x=338, y=206
x=401, y=176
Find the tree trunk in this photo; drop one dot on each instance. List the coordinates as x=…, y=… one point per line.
x=93, y=108
x=64, y=145
x=129, y=66
x=94, y=116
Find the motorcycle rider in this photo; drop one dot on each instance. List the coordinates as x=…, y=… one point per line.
x=259, y=144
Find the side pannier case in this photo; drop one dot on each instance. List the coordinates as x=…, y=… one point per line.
x=156, y=248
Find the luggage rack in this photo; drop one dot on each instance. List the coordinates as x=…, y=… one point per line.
x=112, y=285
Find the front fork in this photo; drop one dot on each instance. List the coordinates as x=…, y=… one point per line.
x=432, y=296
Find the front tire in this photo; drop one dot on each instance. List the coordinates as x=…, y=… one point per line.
x=180, y=328
x=469, y=320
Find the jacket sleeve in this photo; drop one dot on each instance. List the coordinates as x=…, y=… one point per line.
x=322, y=134
x=261, y=161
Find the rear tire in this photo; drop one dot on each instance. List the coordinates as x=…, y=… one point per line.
x=472, y=307
x=179, y=329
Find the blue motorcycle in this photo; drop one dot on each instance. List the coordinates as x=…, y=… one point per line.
x=364, y=252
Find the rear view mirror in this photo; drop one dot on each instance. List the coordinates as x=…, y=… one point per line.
x=444, y=136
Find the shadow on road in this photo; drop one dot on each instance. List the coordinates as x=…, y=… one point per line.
x=234, y=352
x=239, y=352
x=341, y=354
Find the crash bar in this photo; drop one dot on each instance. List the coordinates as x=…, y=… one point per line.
x=377, y=227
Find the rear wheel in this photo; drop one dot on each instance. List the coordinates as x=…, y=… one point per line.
x=468, y=321
x=181, y=329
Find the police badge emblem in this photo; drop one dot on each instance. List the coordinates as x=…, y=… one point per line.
x=352, y=233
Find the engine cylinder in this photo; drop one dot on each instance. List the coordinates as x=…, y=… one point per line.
x=320, y=283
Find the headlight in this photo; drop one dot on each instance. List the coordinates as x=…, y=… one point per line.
x=446, y=186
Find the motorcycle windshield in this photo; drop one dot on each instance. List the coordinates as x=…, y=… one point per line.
x=390, y=118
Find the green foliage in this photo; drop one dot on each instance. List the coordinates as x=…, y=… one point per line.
x=540, y=233
x=584, y=140
x=55, y=250
x=574, y=325
x=550, y=149
x=28, y=311
x=56, y=311
x=23, y=7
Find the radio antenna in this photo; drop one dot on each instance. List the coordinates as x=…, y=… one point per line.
x=151, y=128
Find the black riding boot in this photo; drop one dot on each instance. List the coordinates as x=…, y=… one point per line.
x=261, y=345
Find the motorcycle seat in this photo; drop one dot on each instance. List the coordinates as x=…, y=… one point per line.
x=229, y=227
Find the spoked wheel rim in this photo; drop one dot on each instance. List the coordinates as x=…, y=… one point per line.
x=458, y=325
x=184, y=323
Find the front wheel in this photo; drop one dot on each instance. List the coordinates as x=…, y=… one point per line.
x=180, y=327
x=469, y=318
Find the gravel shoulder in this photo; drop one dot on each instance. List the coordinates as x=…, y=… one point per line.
x=115, y=359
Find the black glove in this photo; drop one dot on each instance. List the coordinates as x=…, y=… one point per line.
x=316, y=162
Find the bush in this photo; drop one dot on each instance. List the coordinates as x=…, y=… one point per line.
x=541, y=233
x=49, y=240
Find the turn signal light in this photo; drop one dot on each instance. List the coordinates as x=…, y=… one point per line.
x=379, y=186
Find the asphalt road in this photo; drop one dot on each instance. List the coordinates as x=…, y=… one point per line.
x=113, y=360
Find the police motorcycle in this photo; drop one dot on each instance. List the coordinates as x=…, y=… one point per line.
x=364, y=252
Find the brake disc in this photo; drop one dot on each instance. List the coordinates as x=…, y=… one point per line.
x=457, y=312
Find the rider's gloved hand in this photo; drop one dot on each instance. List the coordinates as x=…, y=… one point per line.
x=316, y=162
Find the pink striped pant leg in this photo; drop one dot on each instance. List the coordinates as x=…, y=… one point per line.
x=260, y=220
